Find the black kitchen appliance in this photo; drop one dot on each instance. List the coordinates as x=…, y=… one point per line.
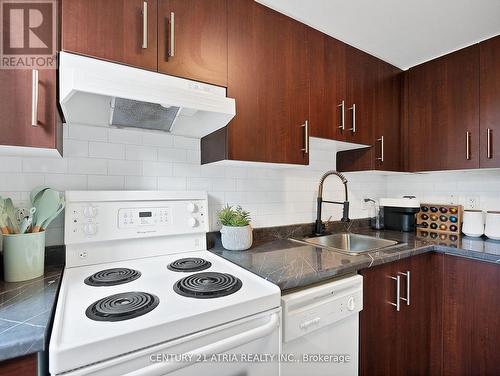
x=399, y=213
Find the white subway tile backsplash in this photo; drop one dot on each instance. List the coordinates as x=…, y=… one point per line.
x=117, y=167
x=76, y=148
x=111, y=158
x=141, y=153
x=106, y=150
x=101, y=182
x=87, y=166
x=43, y=165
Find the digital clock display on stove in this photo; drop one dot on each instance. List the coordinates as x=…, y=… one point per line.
x=145, y=214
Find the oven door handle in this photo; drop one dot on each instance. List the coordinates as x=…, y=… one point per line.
x=204, y=352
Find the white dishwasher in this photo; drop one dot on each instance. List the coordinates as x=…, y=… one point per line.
x=321, y=329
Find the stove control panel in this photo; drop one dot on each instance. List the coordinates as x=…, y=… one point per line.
x=137, y=217
x=98, y=221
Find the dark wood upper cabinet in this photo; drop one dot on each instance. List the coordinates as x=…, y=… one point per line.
x=490, y=103
x=112, y=30
x=471, y=307
x=444, y=112
x=383, y=118
x=25, y=122
x=268, y=77
x=192, y=39
x=327, y=100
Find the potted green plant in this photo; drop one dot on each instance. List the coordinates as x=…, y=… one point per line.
x=236, y=232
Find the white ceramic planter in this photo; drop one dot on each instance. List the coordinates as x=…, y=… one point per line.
x=236, y=238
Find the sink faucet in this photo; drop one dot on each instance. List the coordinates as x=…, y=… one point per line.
x=319, y=228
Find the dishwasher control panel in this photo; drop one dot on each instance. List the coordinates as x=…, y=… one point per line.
x=320, y=306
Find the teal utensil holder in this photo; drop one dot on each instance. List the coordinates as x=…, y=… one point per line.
x=23, y=256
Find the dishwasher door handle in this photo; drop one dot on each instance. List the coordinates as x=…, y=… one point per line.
x=306, y=324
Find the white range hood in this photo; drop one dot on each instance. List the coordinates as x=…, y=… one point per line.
x=97, y=92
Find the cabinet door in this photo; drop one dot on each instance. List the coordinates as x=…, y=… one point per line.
x=471, y=330
x=192, y=39
x=361, y=76
x=418, y=314
x=268, y=77
x=379, y=322
x=444, y=112
x=24, y=123
x=115, y=30
x=327, y=100
x=490, y=102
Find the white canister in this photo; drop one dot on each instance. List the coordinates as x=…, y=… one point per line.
x=492, y=229
x=473, y=223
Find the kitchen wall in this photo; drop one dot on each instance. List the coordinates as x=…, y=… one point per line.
x=478, y=189
x=98, y=158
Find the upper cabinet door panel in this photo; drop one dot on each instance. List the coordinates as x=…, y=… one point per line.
x=192, y=39
x=24, y=123
x=444, y=112
x=115, y=30
x=490, y=102
x=327, y=101
x=268, y=77
x=361, y=84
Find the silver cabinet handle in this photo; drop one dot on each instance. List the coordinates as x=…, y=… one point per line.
x=381, y=158
x=490, y=155
x=145, y=25
x=34, y=98
x=467, y=144
x=172, y=34
x=342, y=115
x=398, y=293
x=353, y=109
x=407, y=275
x=305, y=149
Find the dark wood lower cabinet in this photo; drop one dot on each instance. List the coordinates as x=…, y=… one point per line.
x=25, y=366
x=450, y=327
x=471, y=313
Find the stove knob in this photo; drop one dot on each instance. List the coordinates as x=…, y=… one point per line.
x=191, y=207
x=90, y=229
x=90, y=211
x=351, y=304
x=193, y=222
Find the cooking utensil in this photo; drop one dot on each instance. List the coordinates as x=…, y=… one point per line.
x=3, y=225
x=37, y=193
x=46, y=206
x=47, y=222
x=11, y=216
x=26, y=223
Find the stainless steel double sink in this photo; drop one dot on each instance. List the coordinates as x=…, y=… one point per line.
x=348, y=243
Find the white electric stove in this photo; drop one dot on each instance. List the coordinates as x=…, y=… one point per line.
x=141, y=295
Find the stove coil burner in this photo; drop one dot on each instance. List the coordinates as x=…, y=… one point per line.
x=123, y=306
x=112, y=277
x=207, y=285
x=189, y=264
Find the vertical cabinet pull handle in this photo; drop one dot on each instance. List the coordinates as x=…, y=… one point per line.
x=398, y=292
x=305, y=149
x=34, y=98
x=381, y=140
x=145, y=25
x=172, y=34
x=407, y=298
x=342, y=115
x=490, y=155
x=467, y=145
x=353, y=109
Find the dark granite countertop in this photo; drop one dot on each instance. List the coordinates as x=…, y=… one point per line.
x=290, y=264
x=26, y=309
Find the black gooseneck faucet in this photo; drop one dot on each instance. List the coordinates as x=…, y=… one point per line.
x=319, y=227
